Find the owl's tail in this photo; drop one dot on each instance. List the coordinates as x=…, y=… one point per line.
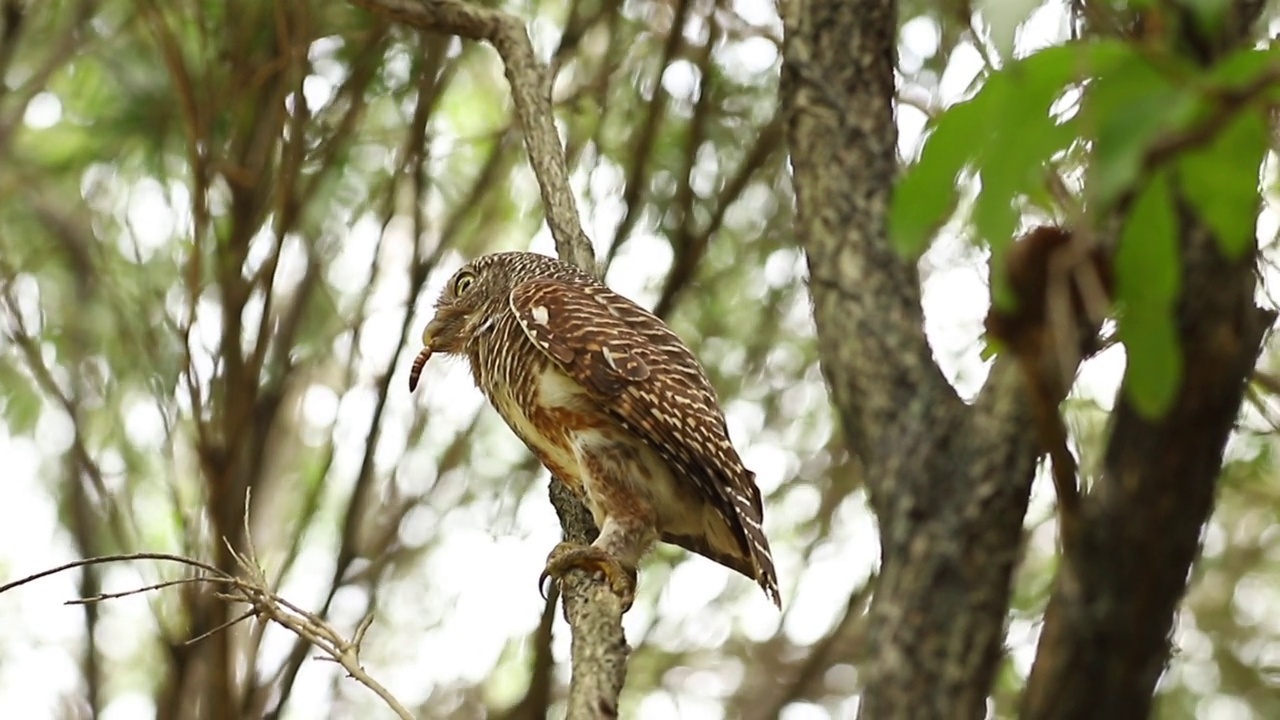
x=763, y=561
x=751, y=517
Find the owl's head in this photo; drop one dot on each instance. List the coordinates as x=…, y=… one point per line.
x=475, y=297
x=469, y=299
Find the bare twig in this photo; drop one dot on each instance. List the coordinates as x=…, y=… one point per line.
x=100, y=597
x=102, y=560
x=251, y=590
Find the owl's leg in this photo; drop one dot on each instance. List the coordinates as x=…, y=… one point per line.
x=615, y=490
x=627, y=537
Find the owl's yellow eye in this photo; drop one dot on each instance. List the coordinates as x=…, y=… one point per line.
x=462, y=283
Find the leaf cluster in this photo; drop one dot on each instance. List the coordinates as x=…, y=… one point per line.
x=1144, y=131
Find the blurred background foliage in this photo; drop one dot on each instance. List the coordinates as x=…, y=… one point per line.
x=222, y=226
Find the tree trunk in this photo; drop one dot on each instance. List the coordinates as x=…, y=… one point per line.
x=1106, y=635
x=949, y=483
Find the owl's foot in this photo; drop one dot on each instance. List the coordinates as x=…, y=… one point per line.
x=572, y=556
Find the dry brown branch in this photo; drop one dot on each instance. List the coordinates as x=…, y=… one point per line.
x=594, y=613
x=530, y=93
x=251, y=589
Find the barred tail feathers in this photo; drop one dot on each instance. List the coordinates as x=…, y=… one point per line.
x=749, y=510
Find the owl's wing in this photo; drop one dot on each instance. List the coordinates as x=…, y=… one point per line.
x=645, y=376
x=590, y=343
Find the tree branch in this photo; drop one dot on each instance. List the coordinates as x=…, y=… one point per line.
x=1106, y=632
x=263, y=603
x=530, y=93
x=254, y=590
x=1105, y=638
x=593, y=611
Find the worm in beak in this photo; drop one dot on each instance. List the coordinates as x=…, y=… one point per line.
x=415, y=372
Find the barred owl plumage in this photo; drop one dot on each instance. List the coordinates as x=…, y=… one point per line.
x=614, y=404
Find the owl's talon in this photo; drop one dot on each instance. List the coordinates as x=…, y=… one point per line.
x=543, y=587
x=572, y=556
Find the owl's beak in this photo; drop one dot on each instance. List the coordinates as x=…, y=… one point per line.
x=429, y=333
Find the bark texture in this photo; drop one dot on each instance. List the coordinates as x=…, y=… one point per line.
x=949, y=482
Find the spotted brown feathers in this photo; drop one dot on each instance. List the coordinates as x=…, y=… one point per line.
x=585, y=376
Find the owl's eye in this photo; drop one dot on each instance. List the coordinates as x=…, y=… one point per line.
x=463, y=283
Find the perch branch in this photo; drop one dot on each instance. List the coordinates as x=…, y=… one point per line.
x=599, y=648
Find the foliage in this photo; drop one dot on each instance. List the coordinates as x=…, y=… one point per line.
x=1150, y=123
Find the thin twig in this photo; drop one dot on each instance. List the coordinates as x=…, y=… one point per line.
x=219, y=628
x=102, y=560
x=100, y=597
x=250, y=590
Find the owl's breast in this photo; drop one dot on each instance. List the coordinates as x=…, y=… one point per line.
x=545, y=408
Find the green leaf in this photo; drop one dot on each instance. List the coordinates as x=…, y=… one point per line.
x=925, y=196
x=1023, y=142
x=1147, y=264
x=1148, y=279
x=1001, y=166
x=1243, y=67
x=22, y=403
x=1025, y=137
x=1006, y=130
x=64, y=146
x=1002, y=296
x=1129, y=108
x=1221, y=180
x=1208, y=15
x=991, y=347
x=1154, y=370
